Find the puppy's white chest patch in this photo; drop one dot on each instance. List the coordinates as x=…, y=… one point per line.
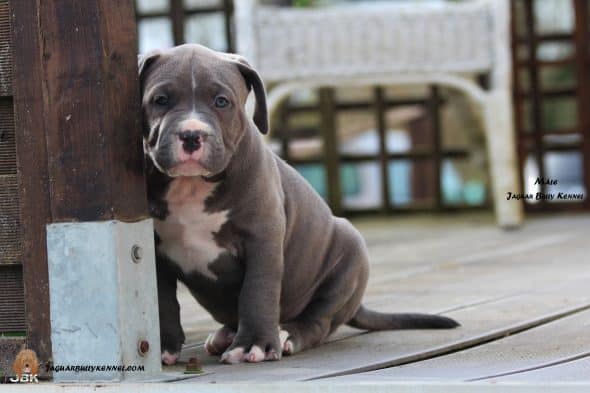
x=187, y=234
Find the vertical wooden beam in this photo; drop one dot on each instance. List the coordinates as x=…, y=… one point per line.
x=434, y=113
x=78, y=138
x=380, y=111
x=535, y=90
x=517, y=98
x=29, y=105
x=331, y=152
x=122, y=111
x=582, y=40
x=91, y=103
x=177, y=16
x=422, y=184
x=228, y=9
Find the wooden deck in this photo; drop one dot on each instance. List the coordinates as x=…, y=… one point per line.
x=522, y=297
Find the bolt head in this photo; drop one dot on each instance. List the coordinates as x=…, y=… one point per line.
x=143, y=347
x=193, y=366
x=136, y=253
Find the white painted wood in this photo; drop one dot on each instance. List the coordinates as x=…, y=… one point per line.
x=401, y=43
x=501, y=145
x=466, y=85
x=368, y=39
x=244, y=14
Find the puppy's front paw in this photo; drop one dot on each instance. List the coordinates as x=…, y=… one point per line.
x=253, y=350
x=171, y=345
x=233, y=356
x=169, y=358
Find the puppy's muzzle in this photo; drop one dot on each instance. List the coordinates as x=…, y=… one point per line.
x=191, y=140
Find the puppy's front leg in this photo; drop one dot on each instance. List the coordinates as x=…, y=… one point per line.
x=257, y=338
x=171, y=334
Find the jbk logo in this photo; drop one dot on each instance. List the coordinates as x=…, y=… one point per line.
x=25, y=367
x=25, y=378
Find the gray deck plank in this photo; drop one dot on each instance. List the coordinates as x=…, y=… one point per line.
x=484, y=322
x=463, y=267
x=419, y=246
x=534, y=348
x=571, y=371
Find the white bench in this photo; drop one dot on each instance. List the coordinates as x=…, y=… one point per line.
x=394, y=43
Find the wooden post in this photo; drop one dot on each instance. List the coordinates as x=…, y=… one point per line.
x=582, y=38
x=331, y=152
x=434, y=113
x=177, y=16
x=33, y=176
x=380, y=114
x=80, y=155
x=517, y=97
x=535, y=91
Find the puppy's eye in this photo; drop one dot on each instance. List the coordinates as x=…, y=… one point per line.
x=221, y=102
x=161, y=100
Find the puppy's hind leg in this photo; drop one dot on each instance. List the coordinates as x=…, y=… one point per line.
x=334, y=303
x=218, y=342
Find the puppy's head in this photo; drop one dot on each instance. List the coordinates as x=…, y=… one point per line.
x=193, y=104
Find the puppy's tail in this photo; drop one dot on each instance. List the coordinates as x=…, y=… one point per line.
x=372, y=320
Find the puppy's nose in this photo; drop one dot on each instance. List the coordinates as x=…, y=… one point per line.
x=191, y=140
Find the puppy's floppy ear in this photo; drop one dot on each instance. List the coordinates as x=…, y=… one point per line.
x=253, y=82
x=143, y=63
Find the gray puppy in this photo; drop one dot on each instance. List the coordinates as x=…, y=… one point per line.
x=254, y=243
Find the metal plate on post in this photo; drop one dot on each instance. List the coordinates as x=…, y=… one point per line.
x=103, y=301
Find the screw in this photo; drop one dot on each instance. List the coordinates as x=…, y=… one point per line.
x=193, y=366
x=143, y=347
x=136, y=253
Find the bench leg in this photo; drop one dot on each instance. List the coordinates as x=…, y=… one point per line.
x=503, y=162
